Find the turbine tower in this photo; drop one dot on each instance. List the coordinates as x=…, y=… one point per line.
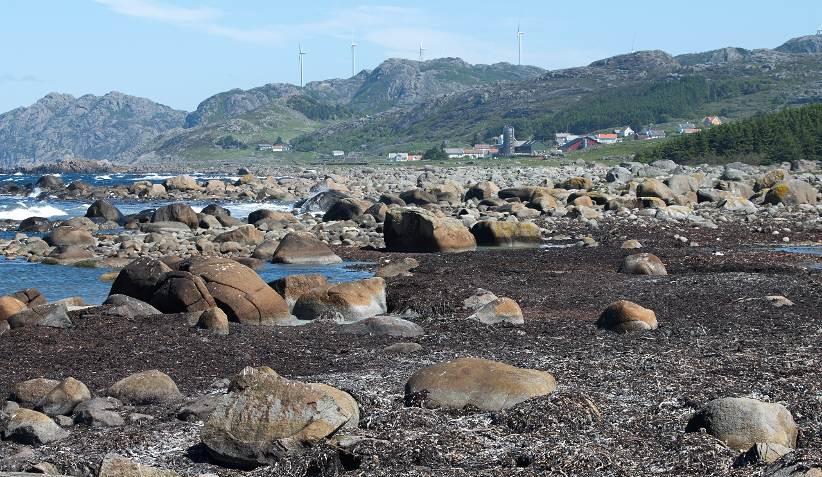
x=520, y=33
x=819, y=31
x=302, y=53
x=353, y=58
x=422, y=50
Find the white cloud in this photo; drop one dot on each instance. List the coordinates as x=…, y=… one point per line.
x=11, y=78
x=162, y=12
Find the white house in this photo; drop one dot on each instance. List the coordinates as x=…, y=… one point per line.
x=625, y=132
x=455, y=152
x=564, y=138
x=338, y=153
x=397, y=156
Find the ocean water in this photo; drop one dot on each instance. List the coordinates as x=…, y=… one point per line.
x=57, y=281
x=18, y=207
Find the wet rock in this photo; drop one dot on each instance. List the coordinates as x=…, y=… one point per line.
x=487, y=385
x=624, y=316
x=643, y=264
x=147, y=387
x=743, y=422
x=115, y=465
x=383, y=326
x=244, y=235
x=501, y=310
x=177, y=212
x=63, y=398
x=140, y=278
x=35, y=224
x=304, y=248
x=104, y=210
x=238, y=290
x=418, y=230
x=293, y=287
x=99, y=412
x=269, y=417
x=33, y=428
x=506, y=234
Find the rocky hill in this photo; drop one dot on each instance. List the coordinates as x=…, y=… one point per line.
x=810, y=44
x=114, y=127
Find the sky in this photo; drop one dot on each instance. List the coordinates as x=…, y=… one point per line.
x=179, y=52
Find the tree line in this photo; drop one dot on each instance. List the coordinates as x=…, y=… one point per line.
x=787, y=135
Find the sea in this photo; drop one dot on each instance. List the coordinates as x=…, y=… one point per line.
x=57, y=282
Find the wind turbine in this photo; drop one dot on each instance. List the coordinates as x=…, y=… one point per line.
x=422, y=50
x=302, y=53
x=353, y=58
x=819, y=31
x=520, y=34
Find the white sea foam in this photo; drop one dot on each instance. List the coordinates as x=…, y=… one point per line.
x=17, y=174
x=24, y=212
x=151, y=177
x=102, y=178
x=35, y=192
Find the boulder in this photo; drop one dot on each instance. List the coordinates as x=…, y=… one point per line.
x=578, y=183
x=403, y=348
x=378, y=211
x=34, y=224
x=397, y=268
x=349, y=301
x=129, y=307
x=271, y=217
x=487, y=385
x=681, y=184
x=49, y=181
x=643, y=264
x=418, y=230
x=449, y=192
x=30, y=296
x=292, y=287
x=418, y=197
x=181, y=183
x=793, y=192
x=140, y=278
x=521, y=193
x=10, y=306
x=147, y=387
x=28, y=393
x=322, y=201
x=104, y=210
x=63, y=398
x=214, y=320
x=482, y=190
x=182, y=292
x=115, y=465
x=177, y=212
x=496, y=233
x=304, y=248
x=346, y=209
x=383, y=326
x=238, y=290
x=654, y=188
x=64, y=236
x=267, y=417
x=619, y=175
x=501, y=310
x=741, y=422
x=99, y=412
x=244, y=234
x=391, y=199
x=265, y=250
x=624, y=316
x=32, y=428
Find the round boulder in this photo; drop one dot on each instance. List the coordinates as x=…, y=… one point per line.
x=32, y=428
x=624, y=316
x=743, y=422
x=177, y=212
x=348, y=301
x=147, y=387
x=29, y=393
x=487, y=385
x=303, y=248
x=104, y=210
x=419, y=230
x=182, y=292
x=63, y=398
x=64, y=236
x=140, y=278
x=244, y=234
x=293, y=287
x=501, y=310
x=643, y=264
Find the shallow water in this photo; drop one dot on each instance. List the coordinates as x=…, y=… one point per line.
x=57, y=282
x=18, y=207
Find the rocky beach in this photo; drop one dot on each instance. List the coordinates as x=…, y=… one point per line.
x=489, y=319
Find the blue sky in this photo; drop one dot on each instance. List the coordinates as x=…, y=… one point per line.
x=178, y=52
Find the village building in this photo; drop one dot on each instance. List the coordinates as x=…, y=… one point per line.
x=712, y=121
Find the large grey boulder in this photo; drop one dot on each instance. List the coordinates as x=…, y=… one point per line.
x=643, y=264
x=264, y=417
x=177, y=212
x=103, y=209
x=419, y=230
x=33, y=428
x=743, y=422
x=303, y=248
x=140, y=278
x=63, y=398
